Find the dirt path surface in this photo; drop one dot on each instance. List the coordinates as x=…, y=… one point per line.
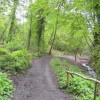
x=38, y=83
x=79, y=61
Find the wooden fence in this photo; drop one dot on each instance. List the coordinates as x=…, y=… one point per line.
x=79, y=75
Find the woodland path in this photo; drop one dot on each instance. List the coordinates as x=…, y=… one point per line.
x=38, y=83
x=79, y=61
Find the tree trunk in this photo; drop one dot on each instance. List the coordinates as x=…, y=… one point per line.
x=75, y=56
x=40, y=29
x=30, y=32
x=53, y=39
x=40, y=26
x=29, y=39
x=55, y=30
x=13, y=17
x=96, y=34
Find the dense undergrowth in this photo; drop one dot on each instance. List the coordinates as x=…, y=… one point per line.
x=80, y=88
x=14, y=59
x=6, y=87
x=14, y=62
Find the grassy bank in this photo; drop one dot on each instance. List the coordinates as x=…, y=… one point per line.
x=80, y=88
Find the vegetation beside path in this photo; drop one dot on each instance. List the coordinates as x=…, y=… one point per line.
x=12, y=62
x=80, y=88
x=6, y=87
x=37, y=27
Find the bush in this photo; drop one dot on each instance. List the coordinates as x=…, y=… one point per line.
x=95, y=59
x=15, y=43
x=3, y=51
x=6, y=87
x=21, y=60
x=15, y=62
x=80, y=88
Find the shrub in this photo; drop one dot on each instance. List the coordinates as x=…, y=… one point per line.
x=15, y=43
x=15, y=62
x=6, y=87
x=82, y=88
x=95, y=59
x=21, y=60
x=3, y=51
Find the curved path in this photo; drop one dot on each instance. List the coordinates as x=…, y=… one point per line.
x=38, y=83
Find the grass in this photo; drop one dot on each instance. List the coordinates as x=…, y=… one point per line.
x=80, y=88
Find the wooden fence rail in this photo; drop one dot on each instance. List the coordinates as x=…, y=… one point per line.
x=79, y=75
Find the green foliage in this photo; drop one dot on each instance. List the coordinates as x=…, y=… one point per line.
x=16, y=43
x=85, y=89
x=58, y=45
x=80, y=88
x=60, y=71
x=3, y=51
x=95, y=59
x=2, y=23
x=15, y=62
x=69, y=33
x=37, y=13
x=73, y=22
x=21, y=60
x=6, y=87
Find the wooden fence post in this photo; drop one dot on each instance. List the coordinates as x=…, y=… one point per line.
x=68, y=78
x=95, y=90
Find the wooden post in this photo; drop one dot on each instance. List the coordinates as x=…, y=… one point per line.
x=79, y=75
x=68, y=78
x=95, y=90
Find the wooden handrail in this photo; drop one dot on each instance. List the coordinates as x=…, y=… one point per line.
x=91, y=79
x=79, y=75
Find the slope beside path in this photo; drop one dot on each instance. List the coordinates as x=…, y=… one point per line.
x=38, y=83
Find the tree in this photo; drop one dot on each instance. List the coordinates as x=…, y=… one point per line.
x=91, y=10
x=11, y=29
x=57, y=9
x=30, y=30
x=96, y=34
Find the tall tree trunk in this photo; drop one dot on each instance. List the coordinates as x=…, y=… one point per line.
x=13, y=17
x=30, y=32
x=4, y=31
x=40, y=26
x=97, y=32
x=55, y=30
x=75, y=56
x=40, y=29
x=96, y=35
x=29, y=38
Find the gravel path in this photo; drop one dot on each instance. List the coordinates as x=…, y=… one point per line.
x=38, y=83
